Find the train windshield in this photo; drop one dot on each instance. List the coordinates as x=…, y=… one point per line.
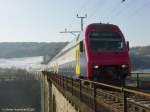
x=105, y=41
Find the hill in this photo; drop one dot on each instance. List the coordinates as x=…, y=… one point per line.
x=140, y=56
x=29, y=49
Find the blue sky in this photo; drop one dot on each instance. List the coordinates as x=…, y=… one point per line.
x=42, y=20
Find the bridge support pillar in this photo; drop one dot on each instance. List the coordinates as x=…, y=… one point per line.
x=60, y=103
x=45, y=94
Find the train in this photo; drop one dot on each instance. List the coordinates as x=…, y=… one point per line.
x=99, y=52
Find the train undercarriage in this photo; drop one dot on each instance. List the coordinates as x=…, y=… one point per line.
x=110, y=74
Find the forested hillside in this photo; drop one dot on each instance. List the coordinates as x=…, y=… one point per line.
x=140, y=57
x=29, y=49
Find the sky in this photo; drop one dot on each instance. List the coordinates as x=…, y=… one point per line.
x=43, y=20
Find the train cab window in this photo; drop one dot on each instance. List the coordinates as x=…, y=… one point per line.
x=105, y=41
x=81, y=46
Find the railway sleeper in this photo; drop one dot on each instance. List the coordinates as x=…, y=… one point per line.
x=133, y=107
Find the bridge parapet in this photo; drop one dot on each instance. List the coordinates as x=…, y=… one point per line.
x=99, y=97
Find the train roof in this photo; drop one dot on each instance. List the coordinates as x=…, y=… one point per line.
x=102, y=24
x=71, y=44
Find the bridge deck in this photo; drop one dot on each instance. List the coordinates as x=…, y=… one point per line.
x=100, y=97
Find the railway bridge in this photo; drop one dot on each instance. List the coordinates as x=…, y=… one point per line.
x=57, y=93
x=64, y=94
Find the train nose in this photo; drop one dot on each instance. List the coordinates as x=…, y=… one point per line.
x=110, y=71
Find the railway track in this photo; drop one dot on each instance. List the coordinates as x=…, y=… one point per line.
x=114, y=98
x=115, y=101
x=137, y=103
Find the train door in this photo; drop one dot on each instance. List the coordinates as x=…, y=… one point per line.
x=82, y=60
x=78, y=60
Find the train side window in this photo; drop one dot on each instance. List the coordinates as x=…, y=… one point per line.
x=81, y=46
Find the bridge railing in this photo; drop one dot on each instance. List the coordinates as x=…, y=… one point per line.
x=139, y=80
x=95, y=94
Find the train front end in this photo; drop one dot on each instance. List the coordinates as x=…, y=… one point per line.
x=106, y=53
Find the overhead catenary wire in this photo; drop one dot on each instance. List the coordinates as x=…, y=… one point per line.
x=133, y=12
x=113, y=14
x=115, y=8
x=138, y=10
x=82, y=7
x=85, y=3
x=75, y=33
x=127, y=6
x=103, y=3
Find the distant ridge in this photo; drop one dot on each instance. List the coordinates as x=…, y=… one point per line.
x=140, y=56
x=30, y=49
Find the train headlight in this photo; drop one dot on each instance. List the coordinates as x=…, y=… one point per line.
x=96, y=66
x=124, y=66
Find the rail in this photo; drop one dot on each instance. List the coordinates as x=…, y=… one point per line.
x=99, y=95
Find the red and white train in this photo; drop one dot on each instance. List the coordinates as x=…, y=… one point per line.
x=99, y=52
